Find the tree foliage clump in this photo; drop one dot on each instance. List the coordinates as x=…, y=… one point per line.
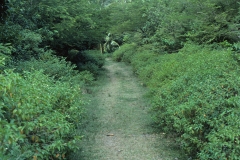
x=167, y=25
x=61, y=25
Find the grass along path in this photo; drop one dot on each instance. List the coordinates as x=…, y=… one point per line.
x=118, y=126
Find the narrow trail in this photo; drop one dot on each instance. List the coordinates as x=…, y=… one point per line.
x=120, y=128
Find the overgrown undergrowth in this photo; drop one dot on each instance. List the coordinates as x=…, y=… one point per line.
x=41, y=106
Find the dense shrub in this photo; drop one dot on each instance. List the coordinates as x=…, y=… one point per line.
x=57, y=68
x=124, y=53
x=41, y=106
x=198, y=100
x=38, y=116
x=5, y=51
x=27, y=45
x=195, y=94
x=91, y=60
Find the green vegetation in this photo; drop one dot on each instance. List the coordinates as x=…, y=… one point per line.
x=194, y=90
x=38, y=116
x=41, y=79
x=194, y=95
x=41, y=107
x=186, y=52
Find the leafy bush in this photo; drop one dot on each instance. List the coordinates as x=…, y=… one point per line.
x=27, y=45
x=124, y=53
x=141, y=60
x=90, y=60
x=57, y=68
x=96, y=57
x=5, y=52
x=38, y=116
x=195, y=93
x=41, y=105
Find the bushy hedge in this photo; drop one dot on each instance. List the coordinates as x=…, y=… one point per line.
x=195, y=93
x=57, y=68
x=41, y=106
x=38, y=116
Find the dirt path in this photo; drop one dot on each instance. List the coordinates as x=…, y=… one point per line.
x=120, y=125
